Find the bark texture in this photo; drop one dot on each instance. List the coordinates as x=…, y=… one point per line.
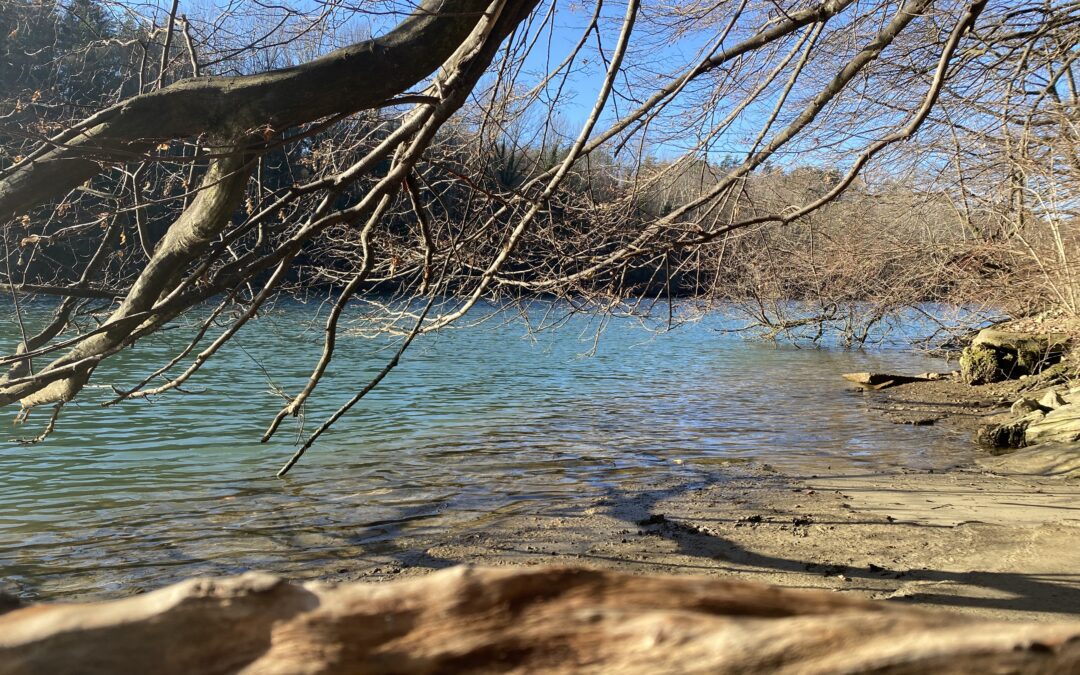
x=521, y=620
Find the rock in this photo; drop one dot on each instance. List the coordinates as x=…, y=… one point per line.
x=1017, y=342
x=1053, y=460
x=934, y=377
x=980, y=365
x=1011, y=434
x=1061, y=426
x=555, y=620
x=1024, y=406
x=1052, y=400
x=916, y=421
x=996, y=355
x=868, y=378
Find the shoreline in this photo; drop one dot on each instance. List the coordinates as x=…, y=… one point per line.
x=995, y=538
x=991, y=536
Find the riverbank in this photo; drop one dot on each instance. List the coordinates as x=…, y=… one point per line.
x=984, y=538
x=996, y=535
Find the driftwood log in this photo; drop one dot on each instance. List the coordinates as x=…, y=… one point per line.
x=884, y=380
x=524, y=620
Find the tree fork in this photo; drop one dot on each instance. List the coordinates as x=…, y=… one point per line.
x=345, y=81
x=188, y=238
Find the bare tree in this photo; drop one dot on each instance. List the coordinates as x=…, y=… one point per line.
x=1005, y=140
x=431, y=185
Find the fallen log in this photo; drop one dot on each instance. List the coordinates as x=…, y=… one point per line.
x=522, y=620
x=884, y=380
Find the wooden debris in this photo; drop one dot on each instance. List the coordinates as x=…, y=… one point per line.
x=522, y=620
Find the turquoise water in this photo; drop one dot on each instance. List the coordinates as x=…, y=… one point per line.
x=477, y=419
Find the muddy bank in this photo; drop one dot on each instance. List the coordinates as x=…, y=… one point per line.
x=968, y=539
x=998, y=537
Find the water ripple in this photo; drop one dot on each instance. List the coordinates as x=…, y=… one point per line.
x=475, y=422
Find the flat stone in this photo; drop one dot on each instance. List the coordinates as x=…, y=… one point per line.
x=1024, y=406
x=1060, y=426
x=882, y=380
x=1052, y=400
x=934, y=377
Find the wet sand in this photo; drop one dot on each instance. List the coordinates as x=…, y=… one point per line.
x=998, y=537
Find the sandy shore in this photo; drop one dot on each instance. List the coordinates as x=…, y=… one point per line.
x=999, y=537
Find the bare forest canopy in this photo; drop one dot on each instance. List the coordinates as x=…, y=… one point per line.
x=858, y=155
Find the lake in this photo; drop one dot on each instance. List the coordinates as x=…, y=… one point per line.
x=490, y=418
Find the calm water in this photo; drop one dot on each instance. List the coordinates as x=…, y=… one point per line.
x=476, y=420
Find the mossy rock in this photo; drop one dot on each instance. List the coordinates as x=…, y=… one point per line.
x=980, y=365
x=996, y=355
